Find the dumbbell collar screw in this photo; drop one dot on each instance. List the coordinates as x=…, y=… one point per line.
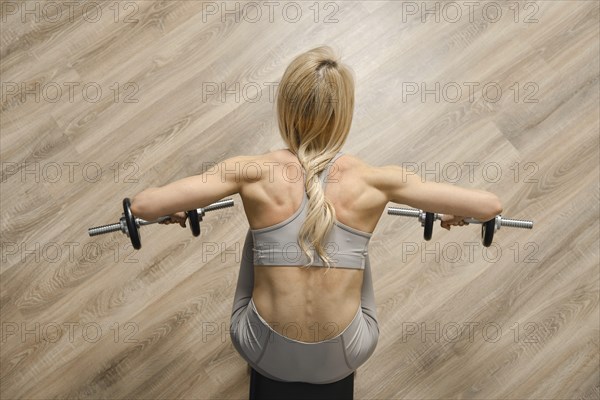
x=123, y=225
x=498, y=223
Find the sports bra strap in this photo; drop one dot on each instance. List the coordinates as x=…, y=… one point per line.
x=325, y=172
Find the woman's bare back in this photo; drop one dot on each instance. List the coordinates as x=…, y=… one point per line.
x=310, y=305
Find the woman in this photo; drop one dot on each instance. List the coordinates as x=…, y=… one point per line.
x=304, y=309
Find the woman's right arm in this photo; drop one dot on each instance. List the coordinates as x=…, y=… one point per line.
x=407, y=188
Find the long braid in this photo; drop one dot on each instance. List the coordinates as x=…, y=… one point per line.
x=315, y=104
x=321, y=213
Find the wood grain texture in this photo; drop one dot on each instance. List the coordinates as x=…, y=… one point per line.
x=90, y=318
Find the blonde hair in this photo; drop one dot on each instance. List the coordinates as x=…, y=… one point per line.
x=315, y=104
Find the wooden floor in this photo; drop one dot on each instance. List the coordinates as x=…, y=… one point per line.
x=161, y=87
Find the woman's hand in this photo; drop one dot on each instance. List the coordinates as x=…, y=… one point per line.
x=179, y=217
x=449, y=220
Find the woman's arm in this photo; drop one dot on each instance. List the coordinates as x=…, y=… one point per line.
x=221, y=180
x=406, y=188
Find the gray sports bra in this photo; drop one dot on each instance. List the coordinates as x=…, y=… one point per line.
x=278, y=244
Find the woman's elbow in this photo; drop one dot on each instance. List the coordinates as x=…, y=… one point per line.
x=497, y=209
x=139, y=208
x=493, y=207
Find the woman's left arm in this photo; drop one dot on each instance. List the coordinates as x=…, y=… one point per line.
x=220, y=180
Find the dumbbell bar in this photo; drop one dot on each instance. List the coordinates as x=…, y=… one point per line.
x=488, y=228
x=129, y=224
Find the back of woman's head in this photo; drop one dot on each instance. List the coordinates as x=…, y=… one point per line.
x=315, y=104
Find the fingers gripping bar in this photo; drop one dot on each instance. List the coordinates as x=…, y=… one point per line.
x=129, y=224
x=488, y=228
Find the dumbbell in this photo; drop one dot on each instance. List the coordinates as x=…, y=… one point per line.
x=130, y=224
x=488, y=228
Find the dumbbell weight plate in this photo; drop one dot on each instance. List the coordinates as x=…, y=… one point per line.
x=132, y=228
x=487, y=232
x=428, y=225
x=194, y=222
